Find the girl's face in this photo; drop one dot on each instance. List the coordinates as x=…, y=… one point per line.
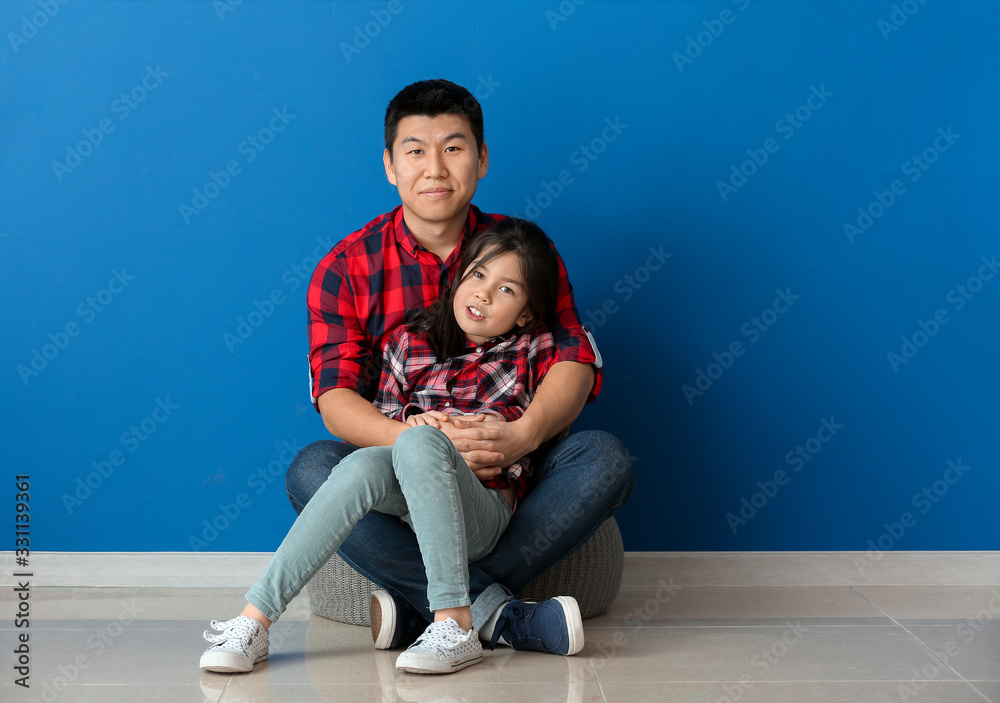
x=491, y=300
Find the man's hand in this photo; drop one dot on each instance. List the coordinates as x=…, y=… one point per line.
x=488, y=443
x=473, y=437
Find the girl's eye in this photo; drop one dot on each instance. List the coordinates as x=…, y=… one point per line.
x=478, y=274
x=507, y=289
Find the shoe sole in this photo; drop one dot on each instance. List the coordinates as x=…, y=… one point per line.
x=574, y=623
x=224, y=663
x=420, y=665
x=383, y=619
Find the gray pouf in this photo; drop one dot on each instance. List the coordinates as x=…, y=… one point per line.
x=592, y=574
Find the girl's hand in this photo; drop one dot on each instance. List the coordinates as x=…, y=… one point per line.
x=434, y=418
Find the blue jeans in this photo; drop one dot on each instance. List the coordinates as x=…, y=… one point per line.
x=423, y=480
x=579, y=483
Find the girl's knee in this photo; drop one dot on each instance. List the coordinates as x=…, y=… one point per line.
x=422, y=449
x=420, y=439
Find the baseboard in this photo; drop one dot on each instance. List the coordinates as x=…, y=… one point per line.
x=872, y=568
x=237, y=569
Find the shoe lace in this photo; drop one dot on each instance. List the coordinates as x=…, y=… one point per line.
x=231, y=631
x=515, y=628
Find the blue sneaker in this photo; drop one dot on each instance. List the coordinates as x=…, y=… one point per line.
x=553, y=626
x=394, y=623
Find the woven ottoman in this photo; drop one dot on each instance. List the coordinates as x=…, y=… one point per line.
x=592, y=574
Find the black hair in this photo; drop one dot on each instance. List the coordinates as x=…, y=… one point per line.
x=539, y=271
x=432, y=98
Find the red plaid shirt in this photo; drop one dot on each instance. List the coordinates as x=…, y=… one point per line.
x=367, y=285
x=498, y=377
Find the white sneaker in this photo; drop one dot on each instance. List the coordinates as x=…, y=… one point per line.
x=443, y=648
x=242, y=644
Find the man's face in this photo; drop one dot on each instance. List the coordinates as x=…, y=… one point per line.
x=436, y=166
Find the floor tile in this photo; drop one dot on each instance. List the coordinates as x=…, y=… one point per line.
x=793, y=653
x=669, y=605
x=971, y=649
x=990, y=689
x=131, y=693
x=666, y=638
x=783, y=692
x=934, y=602
x=162, y=604
x=452, y=687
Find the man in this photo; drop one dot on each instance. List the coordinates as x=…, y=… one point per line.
x=435, y=155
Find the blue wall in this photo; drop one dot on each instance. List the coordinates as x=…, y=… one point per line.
x=779, y=218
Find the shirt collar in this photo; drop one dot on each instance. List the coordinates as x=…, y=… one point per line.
x=407, y=241
x=492, y=342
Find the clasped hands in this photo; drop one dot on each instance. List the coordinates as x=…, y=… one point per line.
x=486, y=441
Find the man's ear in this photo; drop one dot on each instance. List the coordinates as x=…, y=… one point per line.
x=390, y=172
x=484, y=161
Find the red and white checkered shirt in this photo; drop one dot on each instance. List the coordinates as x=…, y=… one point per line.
x=373, y=279
x=498, y=377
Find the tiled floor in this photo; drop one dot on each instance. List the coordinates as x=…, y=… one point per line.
x=659, y=642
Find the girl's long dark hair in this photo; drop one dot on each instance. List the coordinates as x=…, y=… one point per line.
x=539, y=270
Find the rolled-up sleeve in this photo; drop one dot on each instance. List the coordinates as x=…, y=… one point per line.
x=339, y=353
x=572, y=341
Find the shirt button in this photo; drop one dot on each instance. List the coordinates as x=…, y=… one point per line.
x=479, y=350
x=447, y=405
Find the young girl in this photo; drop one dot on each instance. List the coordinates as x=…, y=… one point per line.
x=481, y=348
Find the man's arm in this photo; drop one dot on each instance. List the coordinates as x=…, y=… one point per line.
x=355, y=420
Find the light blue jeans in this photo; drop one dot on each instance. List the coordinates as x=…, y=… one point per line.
x=423, y=480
